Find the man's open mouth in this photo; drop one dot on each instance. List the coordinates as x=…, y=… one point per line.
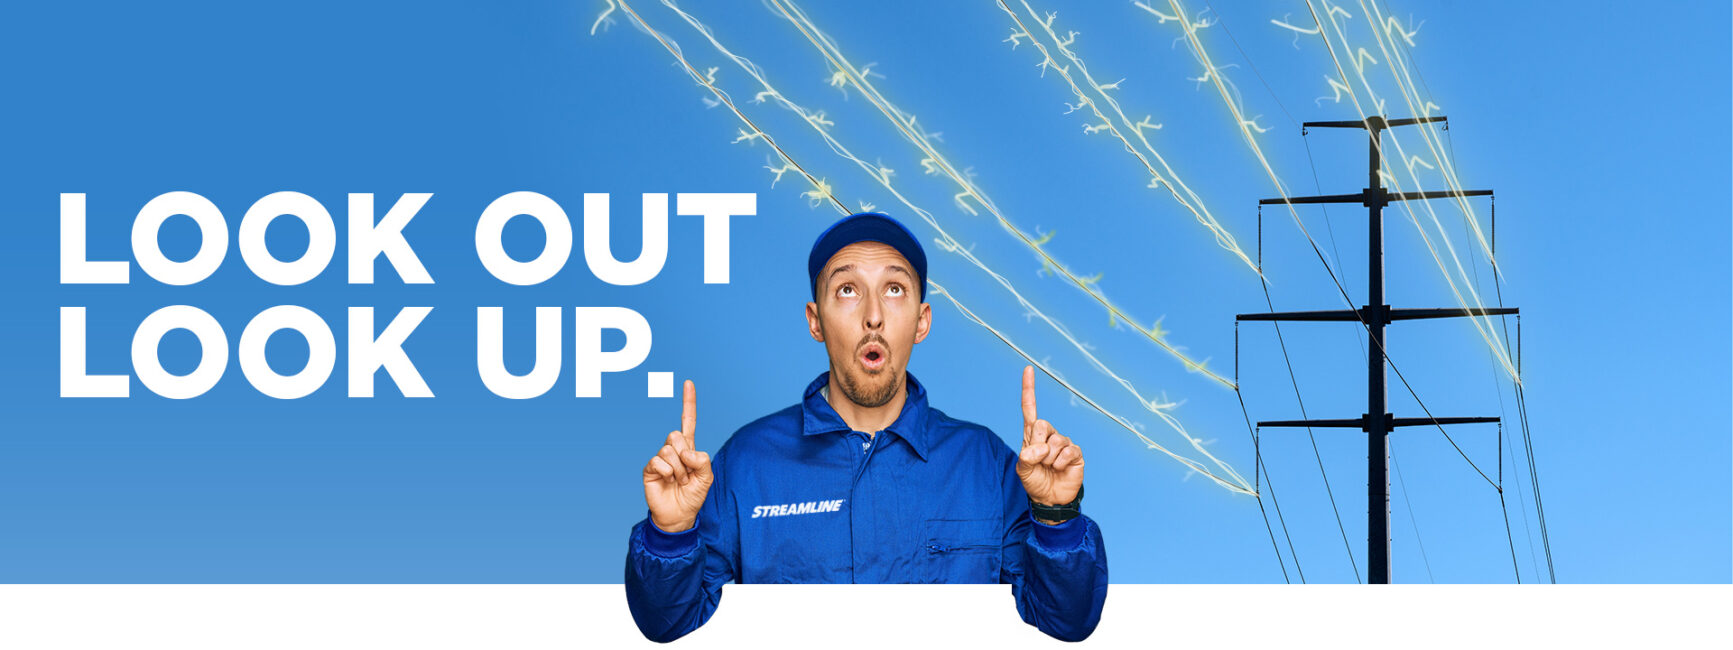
x=873, y=357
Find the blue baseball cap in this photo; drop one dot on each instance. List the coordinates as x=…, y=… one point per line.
x=867, y=226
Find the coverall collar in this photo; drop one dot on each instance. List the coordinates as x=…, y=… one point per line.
x=911, y=424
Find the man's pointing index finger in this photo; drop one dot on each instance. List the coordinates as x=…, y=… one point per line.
x=1028, y=401
x=689, y=414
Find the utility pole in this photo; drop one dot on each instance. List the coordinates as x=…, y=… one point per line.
x=1377, y=422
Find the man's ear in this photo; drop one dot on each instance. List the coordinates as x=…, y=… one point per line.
x=923, y=322
x=813, y=326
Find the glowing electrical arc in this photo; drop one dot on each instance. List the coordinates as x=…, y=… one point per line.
x=1405, y=91
x=934, y=160
x=1203, y=58
x=1483, y=329
x=820, y=187
x=1412, y=94
x=1171, y=180
x=880, y=175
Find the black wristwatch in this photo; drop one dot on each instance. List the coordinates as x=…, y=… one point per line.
x=1062, y=513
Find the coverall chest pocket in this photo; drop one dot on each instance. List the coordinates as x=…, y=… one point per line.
x=961, y=550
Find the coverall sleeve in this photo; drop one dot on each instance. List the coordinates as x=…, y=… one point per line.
x=1058, y=574
x=674, y=580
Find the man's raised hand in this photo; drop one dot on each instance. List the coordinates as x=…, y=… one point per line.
x=1050, y=465
x=677, y=477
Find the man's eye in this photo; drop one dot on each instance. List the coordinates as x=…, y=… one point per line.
x=847, y=291
x=894, y=290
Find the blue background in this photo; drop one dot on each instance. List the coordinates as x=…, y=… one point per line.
x=1605, y=134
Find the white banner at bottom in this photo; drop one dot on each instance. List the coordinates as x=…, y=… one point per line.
x=34, y=617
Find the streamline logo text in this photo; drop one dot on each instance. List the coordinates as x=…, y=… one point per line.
x=797, y=508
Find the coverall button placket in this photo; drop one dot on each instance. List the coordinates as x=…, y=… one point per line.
x=859, y=527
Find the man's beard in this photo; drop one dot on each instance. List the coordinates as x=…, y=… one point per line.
x=859, y=388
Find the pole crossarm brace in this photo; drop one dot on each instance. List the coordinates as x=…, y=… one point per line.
x=1369, y=314
x=1375, y=122
x=1374, y=196
x=1364, y=423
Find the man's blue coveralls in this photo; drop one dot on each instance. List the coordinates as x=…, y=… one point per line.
x=800, y=498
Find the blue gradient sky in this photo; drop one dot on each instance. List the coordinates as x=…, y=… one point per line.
x=1604, y=134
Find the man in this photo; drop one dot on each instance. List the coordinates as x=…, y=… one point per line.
x=811, y=493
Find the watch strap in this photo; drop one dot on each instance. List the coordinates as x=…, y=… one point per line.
x=1060, y=513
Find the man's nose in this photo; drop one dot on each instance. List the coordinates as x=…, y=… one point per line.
x=874, y=313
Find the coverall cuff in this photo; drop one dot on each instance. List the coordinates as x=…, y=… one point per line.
x=1066, y=536
x=669, y=545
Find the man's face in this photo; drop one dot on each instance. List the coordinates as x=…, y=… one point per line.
x=869, y=316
